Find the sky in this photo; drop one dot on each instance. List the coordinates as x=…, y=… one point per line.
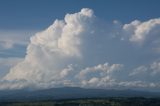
x=105, y=44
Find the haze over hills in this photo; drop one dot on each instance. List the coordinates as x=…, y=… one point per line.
x=69, y=93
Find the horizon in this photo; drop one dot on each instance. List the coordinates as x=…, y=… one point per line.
x=86, y=44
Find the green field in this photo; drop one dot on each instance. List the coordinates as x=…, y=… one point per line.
x=90, y=102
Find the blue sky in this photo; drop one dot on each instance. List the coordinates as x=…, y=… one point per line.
x=90, y=44
x=33, y=14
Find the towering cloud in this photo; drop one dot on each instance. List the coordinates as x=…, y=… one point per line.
x=143, y=31
x=82, y=51
x=52, y=50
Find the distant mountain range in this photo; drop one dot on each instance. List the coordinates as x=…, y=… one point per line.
x=69, y=93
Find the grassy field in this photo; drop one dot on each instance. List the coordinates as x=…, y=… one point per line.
x=90, y=102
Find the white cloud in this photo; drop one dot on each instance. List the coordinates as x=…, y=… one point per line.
x=12, y=85
x=148, y=73
x=7, y=63
x=155, y=67
x=141, y=32
x=99, y=70
x=65, y=72
x=82, y=51
x=136, y=84
x=98, y=76
x=139, y=70
x=50, y=51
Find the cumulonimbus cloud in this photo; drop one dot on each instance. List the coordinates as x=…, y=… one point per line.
x=82, y=51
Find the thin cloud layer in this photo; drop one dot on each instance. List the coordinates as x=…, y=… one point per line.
x=83, y=51
x=11, y=38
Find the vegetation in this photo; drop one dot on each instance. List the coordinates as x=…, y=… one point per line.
x=90, y=102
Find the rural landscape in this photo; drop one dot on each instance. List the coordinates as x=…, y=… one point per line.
x=73, y=96
x=91, y=102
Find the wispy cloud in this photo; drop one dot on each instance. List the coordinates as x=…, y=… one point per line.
x=11, y=38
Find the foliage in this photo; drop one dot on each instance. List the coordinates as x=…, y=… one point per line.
x=91, y=102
